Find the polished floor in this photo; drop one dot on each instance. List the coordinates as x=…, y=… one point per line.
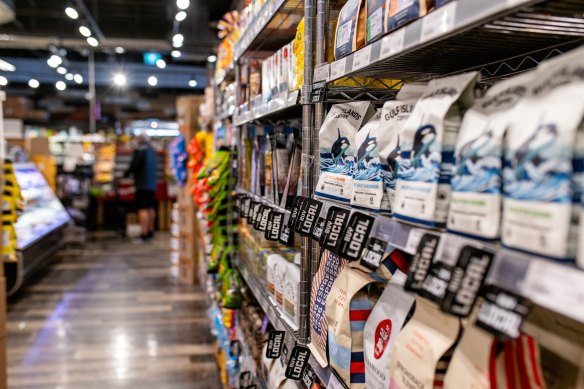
x=108, y=316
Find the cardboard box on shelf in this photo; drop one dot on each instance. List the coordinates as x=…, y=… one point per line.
x=37, y=146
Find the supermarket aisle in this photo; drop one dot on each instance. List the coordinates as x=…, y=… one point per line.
x=108, y=316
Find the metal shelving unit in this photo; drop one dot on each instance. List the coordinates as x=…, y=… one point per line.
x=277, y=108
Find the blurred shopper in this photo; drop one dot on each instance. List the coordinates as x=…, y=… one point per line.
x=143, y=169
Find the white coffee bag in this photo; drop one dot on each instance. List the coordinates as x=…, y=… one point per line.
x=337, y=149
x=427, y=143
x=475, y=208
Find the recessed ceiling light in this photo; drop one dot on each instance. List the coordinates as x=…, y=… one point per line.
x=92, y=41
x=212, y=58
x=120, y=50
x=120, y=79
x=175, y=54
x=78, y=78
x=193, y=83
x=6, y=66
x=152, y=81
x=161, y=63
x=54, y=61
x=60, y=85
x=61, y=70
x=69, y=76
x=154, y=124
x=178, y=38
x=176, y=44
x=183, y=4
x=180, y=16
x=3, y=81
x=85, y=31
x=33, y=83
x=71, y=12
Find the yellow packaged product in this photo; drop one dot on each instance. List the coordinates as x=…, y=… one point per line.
x=298, y=49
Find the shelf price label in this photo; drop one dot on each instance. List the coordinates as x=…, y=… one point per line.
x=393, y=43
x=321, y=72
x=421, y=262
x=275, y=344
x=361, y=58
x=355, y=236
x=297, y=362
x=308, y=217
x=502, y=312
x=318, y=92
x=338, y=68
x=336, y=221
x=274, y=227
x=438, y=22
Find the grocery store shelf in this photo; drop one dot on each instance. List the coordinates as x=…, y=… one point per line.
x=556, y=286
x=273, y=27
x=275, y=109
x=260, y=199
x=492, y=36
x=225, y=74
x=225, y=114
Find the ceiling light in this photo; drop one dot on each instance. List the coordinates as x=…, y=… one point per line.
x=161, y=63
x=3, y=81
x=154, y=124
x=120, y=50
x=60, y=85
x=61, y=70
x=6, y=67
x=193, y=83
x=120, y=79
x=212, y=58
x=33, y=83
x=176, y=44
x=175, y=54
x=178, y=38
x=152, y=81
x=86, y=32
x=69, y=77
x=92, y=41
x=54, y=61
x=71, y=12
x=182, y=15
x=183, y=4
x=78, y=78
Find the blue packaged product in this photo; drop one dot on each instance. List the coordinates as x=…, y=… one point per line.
x=400, y=12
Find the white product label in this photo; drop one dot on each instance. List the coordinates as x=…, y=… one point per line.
x=344, y=34
x=367, y=194
x=536, y=227
x=375, y=23
x=338, y=68
x=321, y=73
x=438, y=22
x=393, y=43
x=335, y=186
x=475, y=214
x=416, y=200
x=361, y=58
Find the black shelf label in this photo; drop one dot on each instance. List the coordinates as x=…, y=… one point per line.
x=245, y=379
x=262, y=222
x=275, y=344
x=309, y=377
x=421, y=262
x=274, y=227
x=318, y=92
x=297, y=362
x=436, y=282
x=296, y=206
x=318, y=228
x=355, y=236
x=502, y=312
x=308, y=215
x=336, y=221
x=373, y=253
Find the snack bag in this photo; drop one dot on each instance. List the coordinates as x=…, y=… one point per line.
x=427, y=143
x=298, y=51
x=475, y=208
x=348, y=305
x=400, y=12
x=350, y=35
x=383, y=325
x=420, y=346
x=543, y=171
x=337, y=149
x=329, y=268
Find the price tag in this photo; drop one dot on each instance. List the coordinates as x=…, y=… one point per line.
x=361, y=57
x=321, y=72
x=373, y=253
x=393, y=43
x=318, y=92
x=275, y=223
x=502, y=312
x=467, y=278
x=251, y=212
x=308, y=216
x=275, y=344
x=335, y=224
x=438, y=22
x=421, y=262
x=338, y=68
x=297, y=362
x=318, y=228
x=262, y=223
x=355, y=236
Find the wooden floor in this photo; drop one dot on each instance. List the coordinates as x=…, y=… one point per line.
x=109, y=316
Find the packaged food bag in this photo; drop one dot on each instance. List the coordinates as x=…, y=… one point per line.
x=384, y=323
x=348, y=306
x=375, y=27
x=545, y=161
x=427, y=143
x=475, y=208
x=291, y=292
x=350, y=34
x=400, y=12
x=337, y=149
x=420, y=346
x=329, y=268
x=298, y=53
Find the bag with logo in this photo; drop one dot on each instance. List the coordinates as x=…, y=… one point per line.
x=348, y=305
x=329, y=268
x=337, y=149
x=423, y=347
x=427, y=142
x=350, y=34
x=475, y=208
x=544, y=162
x=384, y=323
x=400, y=12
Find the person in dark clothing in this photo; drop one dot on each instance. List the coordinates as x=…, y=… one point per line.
x=143, y=169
